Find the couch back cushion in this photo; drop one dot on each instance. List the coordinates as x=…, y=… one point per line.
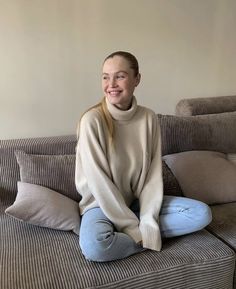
x=214, y=132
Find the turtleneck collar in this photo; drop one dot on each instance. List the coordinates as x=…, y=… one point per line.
x=119, y=114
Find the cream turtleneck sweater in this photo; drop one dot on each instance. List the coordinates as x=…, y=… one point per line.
x=112, y=177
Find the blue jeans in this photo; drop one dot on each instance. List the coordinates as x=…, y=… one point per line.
x=100, y=242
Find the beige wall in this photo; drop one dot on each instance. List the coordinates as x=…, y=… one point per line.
x=51, y=53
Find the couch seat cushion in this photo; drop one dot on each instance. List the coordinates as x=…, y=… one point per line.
x=42, y=258
x=223, y=225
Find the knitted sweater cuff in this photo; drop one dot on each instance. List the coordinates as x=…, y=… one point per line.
x=151, y=235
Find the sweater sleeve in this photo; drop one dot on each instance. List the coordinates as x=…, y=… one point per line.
x=151, y=195
x=91, y=153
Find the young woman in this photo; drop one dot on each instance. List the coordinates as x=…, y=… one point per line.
x=119, y=173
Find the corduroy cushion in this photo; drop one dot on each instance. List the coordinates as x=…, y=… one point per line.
x=41, y=206
x=213, y=132
x=206, y=105
x=204, y=175
x=171, y=185
x=49, y=171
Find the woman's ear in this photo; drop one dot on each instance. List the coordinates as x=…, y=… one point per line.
x=138, y=78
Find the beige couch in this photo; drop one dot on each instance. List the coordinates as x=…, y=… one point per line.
x=42, y=251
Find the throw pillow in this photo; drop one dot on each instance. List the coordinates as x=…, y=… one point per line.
x=41, y=206
x=56, y=172
x=204, y=175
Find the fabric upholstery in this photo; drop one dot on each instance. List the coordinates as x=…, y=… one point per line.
x=41, y=206
x=224, y=222
x=232, y=158
x=48, y=171
x=170, y=183
x=206, y=105
x=202, y=132
x=10, y=172
x=223, y=225
x=41, y=258
x=204, y=175
x=63, y=145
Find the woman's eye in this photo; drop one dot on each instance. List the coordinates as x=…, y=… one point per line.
x=120, y=76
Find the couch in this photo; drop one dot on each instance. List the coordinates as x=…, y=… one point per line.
x=41, y=251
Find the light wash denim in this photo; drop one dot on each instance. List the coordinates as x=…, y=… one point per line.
x=100, y=242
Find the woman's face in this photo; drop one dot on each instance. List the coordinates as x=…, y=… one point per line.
x=119, y=82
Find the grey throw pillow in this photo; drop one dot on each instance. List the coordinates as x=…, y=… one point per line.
x=56, y=172
x=204, y=175
x=41, y=206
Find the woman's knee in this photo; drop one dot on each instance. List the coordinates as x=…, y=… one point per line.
x=204, y=215
x=96, y=235
x=96, y=249
x=199, y=213
x=95, y=246
x=93, y=251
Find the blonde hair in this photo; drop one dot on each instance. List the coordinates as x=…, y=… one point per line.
x=106, y=117
x=102, y=106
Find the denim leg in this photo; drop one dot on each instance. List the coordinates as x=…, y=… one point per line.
x=100, y=242
x=180, y=216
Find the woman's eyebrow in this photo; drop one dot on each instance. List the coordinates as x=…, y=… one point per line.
x=120, y=71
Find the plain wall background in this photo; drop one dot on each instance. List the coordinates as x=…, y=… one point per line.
x=51, y=52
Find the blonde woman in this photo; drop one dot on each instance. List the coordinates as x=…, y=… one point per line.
x=119, y=173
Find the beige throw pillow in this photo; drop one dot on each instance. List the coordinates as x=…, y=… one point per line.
x=204, y=175
x=41, y=206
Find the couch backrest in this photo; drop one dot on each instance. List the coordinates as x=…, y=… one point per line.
x=214, y=132
x=10, y=172
x=206, y=105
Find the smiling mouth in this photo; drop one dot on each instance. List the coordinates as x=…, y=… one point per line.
x=114, y=92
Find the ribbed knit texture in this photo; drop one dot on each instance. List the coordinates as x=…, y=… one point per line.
x=111, y=177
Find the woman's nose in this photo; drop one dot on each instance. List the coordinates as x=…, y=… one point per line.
x=113, y=82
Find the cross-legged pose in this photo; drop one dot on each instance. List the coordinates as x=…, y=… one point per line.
x=119, y=173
